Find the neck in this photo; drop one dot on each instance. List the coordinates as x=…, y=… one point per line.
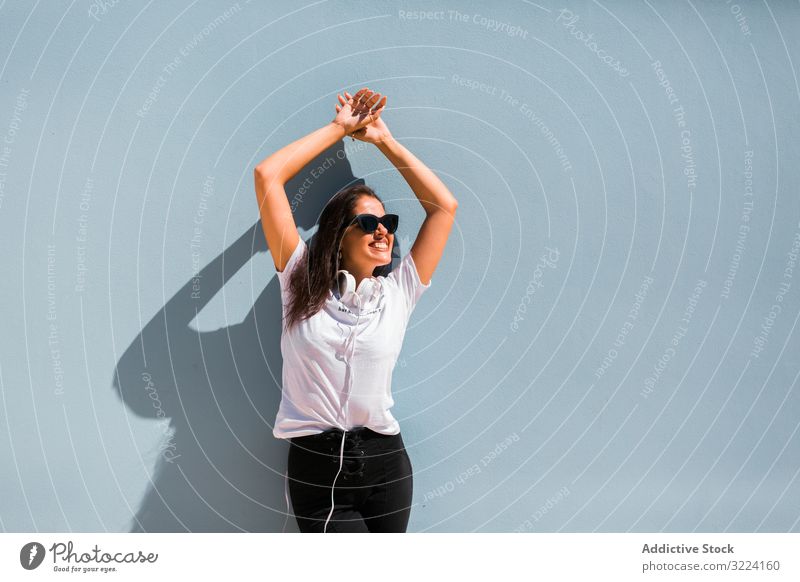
x=358, y=274
x=360, y=277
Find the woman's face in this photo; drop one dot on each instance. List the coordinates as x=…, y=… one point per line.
x=362, y=251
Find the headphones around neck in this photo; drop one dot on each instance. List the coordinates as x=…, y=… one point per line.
x=346, y=285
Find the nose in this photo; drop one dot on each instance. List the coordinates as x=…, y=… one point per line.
x=381, y=230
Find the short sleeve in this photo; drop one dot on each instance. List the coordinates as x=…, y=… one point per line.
x=294, y=260
x=406, y=278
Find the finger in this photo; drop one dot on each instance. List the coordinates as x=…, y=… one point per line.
x=338, y=109
x=354, y=98
x=377, y=115
x=364, y=97
x=373, y=99
x=367, y=105
x=341, y=99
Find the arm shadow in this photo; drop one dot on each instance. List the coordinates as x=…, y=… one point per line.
x=216, y=394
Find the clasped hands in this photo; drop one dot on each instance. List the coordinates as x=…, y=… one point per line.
x=360, y=116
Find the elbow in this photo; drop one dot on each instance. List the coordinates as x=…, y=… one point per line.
x=265, y=177
x=262, y=172
x=448, y=208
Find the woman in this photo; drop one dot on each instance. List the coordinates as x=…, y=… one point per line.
x=344, y=322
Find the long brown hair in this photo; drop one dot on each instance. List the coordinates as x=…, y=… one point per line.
x=315, y=273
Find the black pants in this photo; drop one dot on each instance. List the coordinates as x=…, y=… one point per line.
x=372, y=491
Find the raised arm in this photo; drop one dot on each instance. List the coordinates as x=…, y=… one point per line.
x=438, y=202
x=272, y=174
x=436, y=199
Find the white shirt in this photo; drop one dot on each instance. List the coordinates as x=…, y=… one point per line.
x=337, y=364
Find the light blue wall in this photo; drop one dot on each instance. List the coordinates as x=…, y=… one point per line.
x=590, y=211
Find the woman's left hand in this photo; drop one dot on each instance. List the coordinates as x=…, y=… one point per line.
x=374, y=132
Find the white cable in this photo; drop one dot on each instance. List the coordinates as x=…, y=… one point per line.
x=344, y=432
x=286, y=494
x=341, y=459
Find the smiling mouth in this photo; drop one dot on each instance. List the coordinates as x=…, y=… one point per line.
x=380, y=245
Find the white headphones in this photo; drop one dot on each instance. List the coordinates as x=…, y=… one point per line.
x=347, y=284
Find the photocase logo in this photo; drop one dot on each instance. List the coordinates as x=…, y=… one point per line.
x=31, y=555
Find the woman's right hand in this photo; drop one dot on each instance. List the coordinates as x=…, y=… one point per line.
x=360, y=110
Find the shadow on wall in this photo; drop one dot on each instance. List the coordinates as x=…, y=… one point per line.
x=217, y=393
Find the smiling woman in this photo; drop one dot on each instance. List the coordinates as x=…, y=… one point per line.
x=340, y=245
x=368, y=237
x=345, y=314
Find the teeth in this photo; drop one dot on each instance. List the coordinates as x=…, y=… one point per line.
x=379, y=245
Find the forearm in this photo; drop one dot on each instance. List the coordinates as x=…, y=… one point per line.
x=284, y=164
x=428, y=188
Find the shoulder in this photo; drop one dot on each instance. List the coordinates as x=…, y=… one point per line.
x=294, y=260
x=405, y=282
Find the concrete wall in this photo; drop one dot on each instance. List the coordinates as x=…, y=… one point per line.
x=609, y=342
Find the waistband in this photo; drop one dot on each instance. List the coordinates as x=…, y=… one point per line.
x=353, y=437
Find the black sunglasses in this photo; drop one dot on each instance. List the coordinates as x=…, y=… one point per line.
x=369, y=222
